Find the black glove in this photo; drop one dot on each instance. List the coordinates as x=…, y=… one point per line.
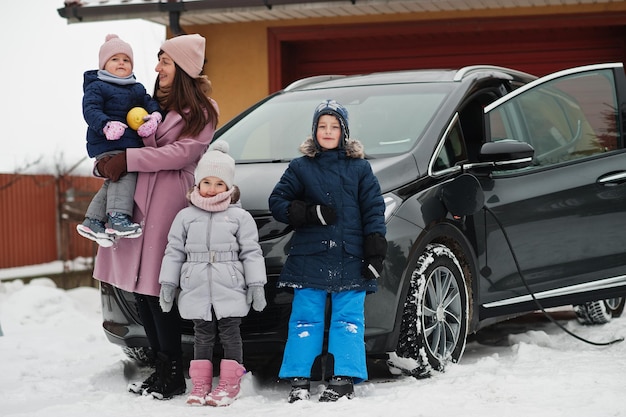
x=300, y=214
x=318, y=214
x=374, y=252
x=373, y=267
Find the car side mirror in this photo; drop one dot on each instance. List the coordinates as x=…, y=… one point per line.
x=506, y=154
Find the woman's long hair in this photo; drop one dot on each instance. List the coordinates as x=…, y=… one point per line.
x=189, y=97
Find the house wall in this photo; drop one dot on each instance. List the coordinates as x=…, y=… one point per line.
x=239, y=58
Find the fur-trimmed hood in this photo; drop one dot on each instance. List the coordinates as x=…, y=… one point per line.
x=352, y=147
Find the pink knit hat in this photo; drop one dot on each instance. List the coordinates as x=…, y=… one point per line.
x=114, y=45
x=187, y=51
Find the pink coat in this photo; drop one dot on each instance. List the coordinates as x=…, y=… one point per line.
x=165, y=168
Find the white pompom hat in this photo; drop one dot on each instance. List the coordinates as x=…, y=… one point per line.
x=216, y=163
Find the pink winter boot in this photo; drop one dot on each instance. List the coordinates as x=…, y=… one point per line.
x=201, y=374
x=228, y=389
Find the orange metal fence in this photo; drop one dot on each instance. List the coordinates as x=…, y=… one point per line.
x=38, y=218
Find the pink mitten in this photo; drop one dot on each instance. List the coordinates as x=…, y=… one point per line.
x=114, y=130
x=150, y=124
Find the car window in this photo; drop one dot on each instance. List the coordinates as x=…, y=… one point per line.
x=387, y=119
x=566, y=119
x=453, y=149
x=465, y=134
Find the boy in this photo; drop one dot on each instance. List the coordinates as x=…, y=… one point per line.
x=333, y=201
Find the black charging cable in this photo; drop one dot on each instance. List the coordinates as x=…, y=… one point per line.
x=519, y=270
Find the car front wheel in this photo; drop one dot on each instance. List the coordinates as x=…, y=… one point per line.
x=600, y=311
x=435, y=316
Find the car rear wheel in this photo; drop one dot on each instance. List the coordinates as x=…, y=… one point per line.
x=600, y=311
x=433, y=331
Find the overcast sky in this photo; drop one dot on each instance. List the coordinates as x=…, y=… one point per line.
x=43, y=59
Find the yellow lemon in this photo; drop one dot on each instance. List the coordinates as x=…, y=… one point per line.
x=134, y=117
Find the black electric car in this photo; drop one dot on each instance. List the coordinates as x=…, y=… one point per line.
x=505, y=194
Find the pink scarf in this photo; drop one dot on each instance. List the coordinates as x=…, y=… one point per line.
x=219, y=202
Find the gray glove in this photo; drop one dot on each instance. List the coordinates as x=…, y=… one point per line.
x=256, y=297
x=166, y=297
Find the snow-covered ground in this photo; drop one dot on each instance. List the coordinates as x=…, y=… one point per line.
x=56, y=361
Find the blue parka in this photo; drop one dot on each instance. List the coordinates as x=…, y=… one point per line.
x=330, y=257
x=105, y=101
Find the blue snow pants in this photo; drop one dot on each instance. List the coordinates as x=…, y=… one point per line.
x=305, y=337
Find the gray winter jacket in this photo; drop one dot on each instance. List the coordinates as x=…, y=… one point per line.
x=213, y=257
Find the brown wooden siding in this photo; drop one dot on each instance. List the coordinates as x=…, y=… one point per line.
x=39, y=214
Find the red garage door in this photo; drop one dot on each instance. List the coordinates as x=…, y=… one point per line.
x=537, y=46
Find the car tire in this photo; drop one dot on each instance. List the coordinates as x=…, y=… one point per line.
x=434, y=323
x=616, y=306
x=600, y=311
x=143, y=356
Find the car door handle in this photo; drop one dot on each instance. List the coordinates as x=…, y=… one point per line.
x=614, y=178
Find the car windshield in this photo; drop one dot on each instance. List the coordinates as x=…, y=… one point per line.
x=387, y=119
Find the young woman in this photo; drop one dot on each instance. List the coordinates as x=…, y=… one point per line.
x=165, y=172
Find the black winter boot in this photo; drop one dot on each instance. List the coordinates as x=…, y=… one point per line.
x=300, y=388
x=339, y=386
x=140, y=387
x=170, y=378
